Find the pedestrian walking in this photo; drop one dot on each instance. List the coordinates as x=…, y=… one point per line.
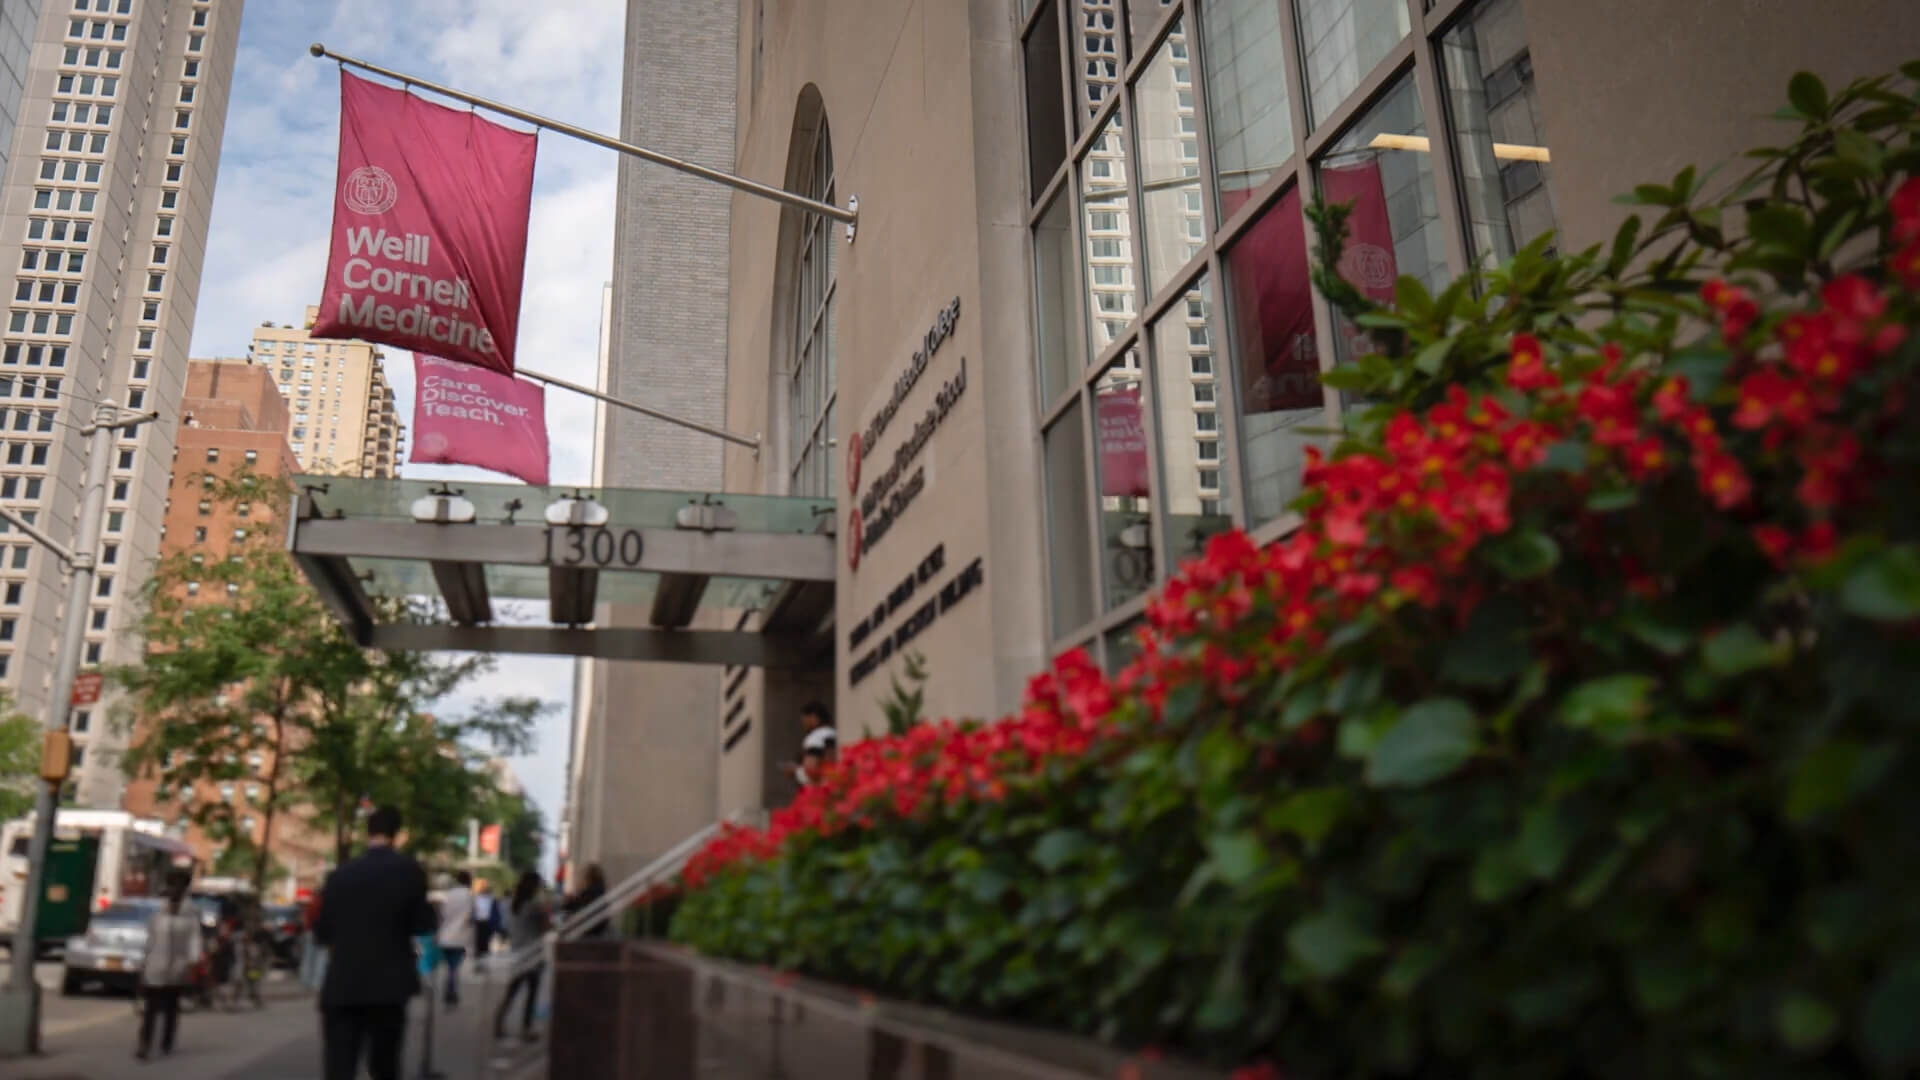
x=456, y=929
x=173, y=951
x=487, y=922
x=526, y=927
x=370, y=910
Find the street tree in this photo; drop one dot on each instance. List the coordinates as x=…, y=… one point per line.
x=19, y=759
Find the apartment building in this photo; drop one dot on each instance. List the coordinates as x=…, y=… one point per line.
x=110, y=177
x=343, y=418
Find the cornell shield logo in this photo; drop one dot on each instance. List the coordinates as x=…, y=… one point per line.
x=370, y=190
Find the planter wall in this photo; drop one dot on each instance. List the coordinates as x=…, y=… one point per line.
x=643, y=1011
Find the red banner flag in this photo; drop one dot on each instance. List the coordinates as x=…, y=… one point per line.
x=429, y=228
x=489, y=839
x=1123, y=442
x=464, y=415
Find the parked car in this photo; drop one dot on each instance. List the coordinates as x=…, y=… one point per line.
x=285, y=923
x=112, y=949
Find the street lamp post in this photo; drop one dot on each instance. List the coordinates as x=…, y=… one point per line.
x=20, y=998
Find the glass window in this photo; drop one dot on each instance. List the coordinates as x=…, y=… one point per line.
x=1142, y=17
x=1046, y=118
x=1096, y=59
x=811, y=372
x=1122, y=466
x=1169, y=160
x=1341, y=41
x=1069, y=538
x=1381, y=166
x=1248, y=118
x=1498, y=135
x=1180, y=353
x=1103, y=189
x=1276, y=366
x=1054, y=280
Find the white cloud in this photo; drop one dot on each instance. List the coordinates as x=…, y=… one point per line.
x=267, y=251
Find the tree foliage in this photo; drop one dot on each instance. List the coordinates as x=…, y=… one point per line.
x=1572, y=733
x=19, y=760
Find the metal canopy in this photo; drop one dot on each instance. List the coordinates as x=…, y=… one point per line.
x=671, y=554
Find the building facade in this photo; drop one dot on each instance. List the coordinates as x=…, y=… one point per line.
x=19, y=20
x=344, y=421
x=232, y=418
x=103, y=215
x=664, y=347
x=1073, y=335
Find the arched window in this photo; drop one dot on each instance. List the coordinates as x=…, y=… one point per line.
x=810, y=367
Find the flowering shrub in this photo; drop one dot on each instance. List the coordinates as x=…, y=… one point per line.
x=1573, y=732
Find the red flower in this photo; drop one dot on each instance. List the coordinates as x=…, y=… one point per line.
x=1416, y=583
x=1673, y=399
x=1529, y=371
x=1818, y=542
x=1526, y=443
x=1906, y=265
x=1701, y=431
x=1648, y=457
x=1723, y=480
x=1776, y=541
x=1266, y=1070
x=1612, y=412
x=1905, y=205
x=1734, y=305
x=1854, y=298
x=1766, y=395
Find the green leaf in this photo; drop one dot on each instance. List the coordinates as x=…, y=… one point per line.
x=1409, y=970
x=1781, y=227
x=1664, y=979
x=1885, y=586
x=1412, y=298
x=1310, y=814
x=1434, y=357
x=1597, y=879
x=1607, y=502
x=1887, y=1031
x=1804, y=1022
x=1624, y=241
x=1497, y=874
x=1704, y=368
x=1653, y=195
x=1430, y=741
x=1566, y=456
x=1524, y=554
x=1808, y=95
x=1544, y=843
x=1608, y=703
x=1657, y=630
x=1491, y=651
x=1331, y=942
x=1739, y=649
x=1059, y=847
x=1238, y=855
x=1346, y=377
x=1832, y=774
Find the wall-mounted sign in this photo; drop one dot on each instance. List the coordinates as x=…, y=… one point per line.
x=899, y=598
x=895, y=489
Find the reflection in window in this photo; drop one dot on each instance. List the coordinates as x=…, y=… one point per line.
x=1382, y=167
x=1247, y=112
x=1276, y=366
x=1046, y=120
x=1341, y=41
x=1054, y=281
x=1123, y=644
x=1142, y=17
x=810, y=374
x=1103, y=184
x=1497, y=132
x=1068, y=536
x=1169, y=153
x=1189, y=448
x=1096, y=53
x=1126, y=508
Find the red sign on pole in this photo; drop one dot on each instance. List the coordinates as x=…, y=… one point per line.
x=429, y=228
x=489, y=839
x=86, y=687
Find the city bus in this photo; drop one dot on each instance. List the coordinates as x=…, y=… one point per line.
x=97, y=858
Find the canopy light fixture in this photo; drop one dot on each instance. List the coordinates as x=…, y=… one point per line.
x=1421, y=144
x=576, y=509
x=443, y=506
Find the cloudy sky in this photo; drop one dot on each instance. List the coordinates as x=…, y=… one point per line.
x=267, y=253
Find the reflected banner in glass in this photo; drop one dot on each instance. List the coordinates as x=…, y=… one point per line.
x=1123, y=443
x=1273, y=297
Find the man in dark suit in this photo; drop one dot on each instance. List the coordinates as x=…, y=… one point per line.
x=370, y=911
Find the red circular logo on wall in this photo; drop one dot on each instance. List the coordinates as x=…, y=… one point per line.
x=855, y=451
x=856, y=539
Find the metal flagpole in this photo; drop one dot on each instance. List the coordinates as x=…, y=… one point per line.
x=738, y=183
x=739, y=440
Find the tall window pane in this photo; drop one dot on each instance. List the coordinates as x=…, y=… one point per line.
x=1069, y=537
x=1109, y=235
x=1186, y=393
x=1383, y=168
x=1497, y=131
x=1096, y=52
x=1046, y=113
x=1142, y=17
x=1126, y=506
x=1248, y=117
x=1169, y=151
x=1276, y=366
x=810, y=386
x=1341, y=41
x=1055, y=276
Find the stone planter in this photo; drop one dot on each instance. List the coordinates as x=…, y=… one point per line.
x=632, y=1010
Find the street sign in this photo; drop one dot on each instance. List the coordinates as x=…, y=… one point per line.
x=86, y=687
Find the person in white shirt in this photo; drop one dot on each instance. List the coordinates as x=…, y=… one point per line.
x=818, y=746
x=173, y=951
x=456, y=929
